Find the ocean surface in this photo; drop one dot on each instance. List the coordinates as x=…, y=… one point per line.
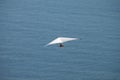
x=27, y=25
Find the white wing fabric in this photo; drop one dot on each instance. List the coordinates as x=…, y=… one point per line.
x=61, y=40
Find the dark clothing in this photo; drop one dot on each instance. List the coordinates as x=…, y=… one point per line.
x=61, y=45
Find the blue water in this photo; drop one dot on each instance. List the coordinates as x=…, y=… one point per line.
x=27, y=25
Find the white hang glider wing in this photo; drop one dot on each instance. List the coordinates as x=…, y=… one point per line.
x=61, y=40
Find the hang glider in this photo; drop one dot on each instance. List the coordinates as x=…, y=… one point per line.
x=61, y=40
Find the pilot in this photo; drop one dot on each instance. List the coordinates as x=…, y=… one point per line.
x=61, y=45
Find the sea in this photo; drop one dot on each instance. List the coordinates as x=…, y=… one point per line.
x=26, y=26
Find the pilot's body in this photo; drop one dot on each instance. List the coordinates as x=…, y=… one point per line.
x=61, y=45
